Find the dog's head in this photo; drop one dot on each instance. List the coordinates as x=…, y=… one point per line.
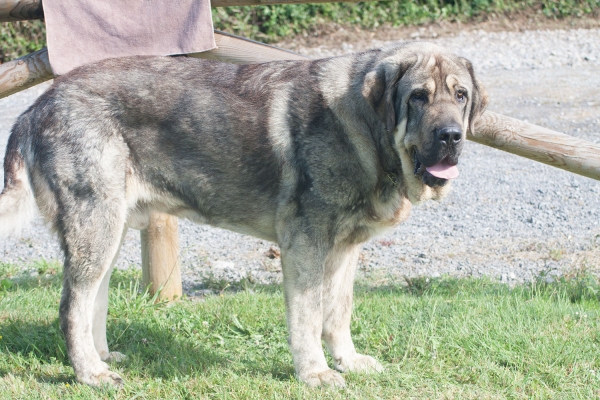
x=427, y=98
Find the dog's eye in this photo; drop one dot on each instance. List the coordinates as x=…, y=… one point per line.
x=418, y=95
x=461, y=95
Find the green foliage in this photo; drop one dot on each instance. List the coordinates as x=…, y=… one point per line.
x=8, y=270
x=577, y=288
x=277, y=22
x=5, y=284
x=47, y=267
x=273, y=23
x=40, y=273
x=20, y=38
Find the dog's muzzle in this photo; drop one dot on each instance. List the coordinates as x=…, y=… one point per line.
x=440, y=166
x=422, y=171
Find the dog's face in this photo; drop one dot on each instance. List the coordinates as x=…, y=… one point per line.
x=428, y=99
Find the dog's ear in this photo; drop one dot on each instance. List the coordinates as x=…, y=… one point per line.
x=379, y=89
x=373, y=90
x=479, y=97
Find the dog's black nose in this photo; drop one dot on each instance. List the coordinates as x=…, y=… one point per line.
x=450, y=135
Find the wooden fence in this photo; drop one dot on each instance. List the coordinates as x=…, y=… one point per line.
x=160, y=246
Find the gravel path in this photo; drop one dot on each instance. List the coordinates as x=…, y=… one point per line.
x=507, y=217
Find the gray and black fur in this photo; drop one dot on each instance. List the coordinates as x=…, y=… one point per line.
x=317, y=156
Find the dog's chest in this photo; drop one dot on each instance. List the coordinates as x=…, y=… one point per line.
x=378, y=217
x=389, y=212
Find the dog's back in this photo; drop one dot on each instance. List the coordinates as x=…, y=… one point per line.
x=199, y=139
x=121, y=124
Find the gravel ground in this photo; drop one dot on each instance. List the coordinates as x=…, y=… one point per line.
x=507, y=217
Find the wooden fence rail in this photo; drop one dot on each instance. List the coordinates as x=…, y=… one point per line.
x=537, y=143
x=34, y=68
x=24, y=72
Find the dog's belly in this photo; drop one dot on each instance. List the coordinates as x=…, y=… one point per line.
x=259, y=230
x=143, y=198
x=262, y=228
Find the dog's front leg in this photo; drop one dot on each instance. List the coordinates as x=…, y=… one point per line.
x=303, y=262
x=338, y=284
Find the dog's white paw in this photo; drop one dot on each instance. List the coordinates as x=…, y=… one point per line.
x=358, y=363
x=114, y=357
x=329, y=378
x=104, y=378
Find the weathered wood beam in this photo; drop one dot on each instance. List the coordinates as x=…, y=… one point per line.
x=237, y=50
x=20, y=10
x=24, y=72
x=34, y=68
x=537, y=143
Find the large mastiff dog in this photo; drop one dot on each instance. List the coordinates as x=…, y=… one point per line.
x=317, y=156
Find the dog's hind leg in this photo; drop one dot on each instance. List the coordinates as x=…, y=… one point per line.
x=100, y=314
x=338, y=282
x=91, y=231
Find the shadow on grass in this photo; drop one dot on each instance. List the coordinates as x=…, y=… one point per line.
x=32, y=345
x=42, y=342
x=32, y=339
x=40, y=377
x=159, y=353
x=150, y=351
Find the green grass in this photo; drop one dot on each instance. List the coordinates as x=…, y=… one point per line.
x=441, y=338
x=277, y=22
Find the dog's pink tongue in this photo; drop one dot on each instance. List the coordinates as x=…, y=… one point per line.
x=443, y=170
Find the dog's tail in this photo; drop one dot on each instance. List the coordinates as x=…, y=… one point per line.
x=17, y=202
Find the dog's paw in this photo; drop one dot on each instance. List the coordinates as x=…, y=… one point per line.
x=106, y=378
x=114, y=357
x=109, y=378
x=358, y=363
x=328, y=378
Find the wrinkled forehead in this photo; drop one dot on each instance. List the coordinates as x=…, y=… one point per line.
x=438, y=71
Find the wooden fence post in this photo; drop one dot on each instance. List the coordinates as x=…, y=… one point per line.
x=160, y=257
